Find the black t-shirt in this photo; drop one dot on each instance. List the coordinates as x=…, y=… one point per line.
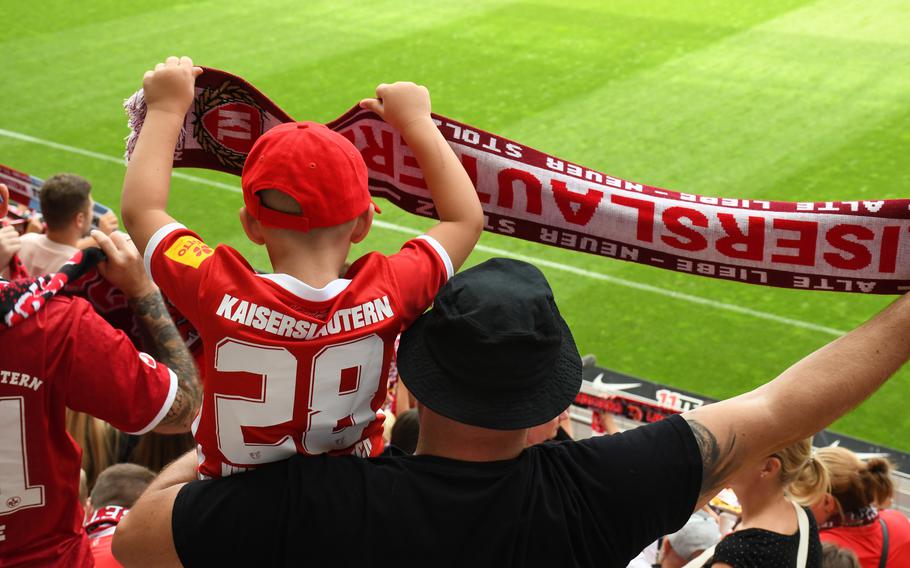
x=596, y=502
x=760, y=548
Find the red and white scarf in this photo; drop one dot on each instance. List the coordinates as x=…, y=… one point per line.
x=850, y=246
x=21, y=299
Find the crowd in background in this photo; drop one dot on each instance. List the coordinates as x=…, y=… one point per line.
x=848, y=500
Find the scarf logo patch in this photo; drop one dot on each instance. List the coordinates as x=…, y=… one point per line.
x=227, y=122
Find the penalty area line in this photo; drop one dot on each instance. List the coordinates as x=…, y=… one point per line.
x=484, y=248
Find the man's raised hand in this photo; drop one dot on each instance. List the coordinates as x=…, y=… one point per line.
x=170, y=86
x=108, y=223
x=123, y=267
x=9, y=245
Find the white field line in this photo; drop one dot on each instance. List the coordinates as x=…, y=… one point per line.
x=491, y=250
x=106, y=158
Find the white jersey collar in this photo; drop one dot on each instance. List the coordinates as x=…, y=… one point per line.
x=304, y=290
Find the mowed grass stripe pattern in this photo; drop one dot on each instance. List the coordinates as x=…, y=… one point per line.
x=780, y=99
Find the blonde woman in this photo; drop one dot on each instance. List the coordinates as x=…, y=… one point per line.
x=852, y=515
x=773, y=495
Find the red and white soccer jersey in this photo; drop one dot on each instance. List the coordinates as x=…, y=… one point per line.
x=63, y=356
x=100, y=530
x=290, y=368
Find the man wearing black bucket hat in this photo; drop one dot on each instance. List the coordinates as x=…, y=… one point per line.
x=492, y=358
x=494, y=351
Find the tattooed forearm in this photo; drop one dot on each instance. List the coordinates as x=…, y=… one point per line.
x=718, y=463
x=171, y=350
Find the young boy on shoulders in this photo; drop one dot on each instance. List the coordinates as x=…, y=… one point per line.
x=294, y=361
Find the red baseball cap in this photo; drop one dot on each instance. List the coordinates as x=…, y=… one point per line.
x=317, y=167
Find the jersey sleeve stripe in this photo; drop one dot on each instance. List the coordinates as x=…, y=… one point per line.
x=443, y=255
x=155, y=241
x=168, y=402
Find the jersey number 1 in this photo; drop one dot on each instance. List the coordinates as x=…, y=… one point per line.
x=343, y=379
x=15, y=492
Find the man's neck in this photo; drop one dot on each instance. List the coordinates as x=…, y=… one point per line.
x=63, y=237
x=446, y=438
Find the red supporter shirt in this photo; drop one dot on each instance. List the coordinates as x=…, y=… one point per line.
x=289, y=368
x=63, y=356
x=866, y=541
x=100, y=529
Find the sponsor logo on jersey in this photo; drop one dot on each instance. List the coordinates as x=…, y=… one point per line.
x=260, y=317
x=189, y=250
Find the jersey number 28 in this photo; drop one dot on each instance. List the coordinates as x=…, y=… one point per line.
x=343, y=379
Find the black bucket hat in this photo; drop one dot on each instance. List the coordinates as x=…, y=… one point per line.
x=494, y=351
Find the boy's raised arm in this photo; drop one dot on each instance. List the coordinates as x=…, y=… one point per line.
x=168, y=95
x=406, y=107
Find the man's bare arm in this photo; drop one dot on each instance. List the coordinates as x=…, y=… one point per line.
x=803, y=400
x=144, y=537
x=123, y=268
x=171, y=350
x=719, y=463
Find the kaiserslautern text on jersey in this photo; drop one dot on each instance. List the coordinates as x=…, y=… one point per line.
x=259, y=317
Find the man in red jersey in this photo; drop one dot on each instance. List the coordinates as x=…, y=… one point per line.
x=61, y=356
x=115, y=491
x=296, y=361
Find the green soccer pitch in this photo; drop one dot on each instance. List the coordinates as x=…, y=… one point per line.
x=778, y=99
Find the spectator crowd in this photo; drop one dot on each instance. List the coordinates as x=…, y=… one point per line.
x=164, y=403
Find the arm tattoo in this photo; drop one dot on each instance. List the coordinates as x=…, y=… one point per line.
x=170, y=349
x=718, y=463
